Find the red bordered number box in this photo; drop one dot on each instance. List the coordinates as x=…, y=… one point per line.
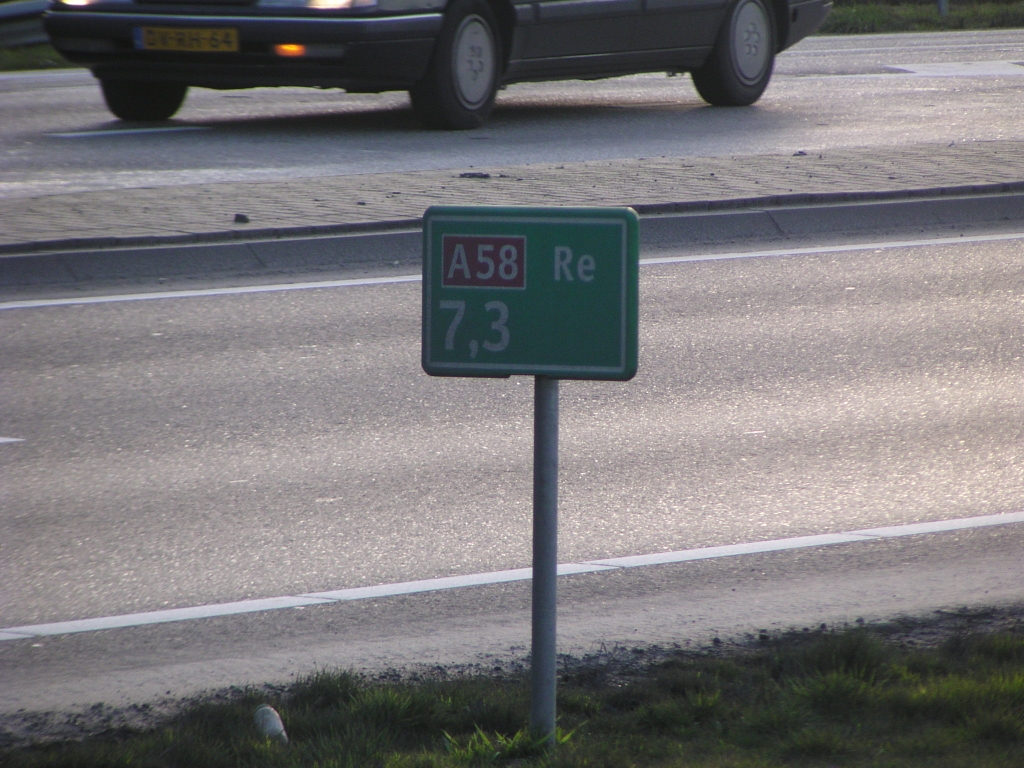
x=483, y=261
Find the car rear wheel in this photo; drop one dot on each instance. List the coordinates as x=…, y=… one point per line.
x=740, y=66
x=462, y=79
x=138, y=100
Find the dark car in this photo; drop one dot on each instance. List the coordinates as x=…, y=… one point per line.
x=451, y=55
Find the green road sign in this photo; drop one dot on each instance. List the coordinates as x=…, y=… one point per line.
x=537, y=291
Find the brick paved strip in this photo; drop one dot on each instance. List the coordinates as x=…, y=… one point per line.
x=205, y=212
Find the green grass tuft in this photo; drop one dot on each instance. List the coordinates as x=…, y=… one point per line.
x=835, y=693
x=852, y=18
x=32, y=57
x=857, y=654
x=818, y=743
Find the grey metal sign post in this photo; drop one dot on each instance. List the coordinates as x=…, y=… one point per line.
x=546, y=292
x=545, y=557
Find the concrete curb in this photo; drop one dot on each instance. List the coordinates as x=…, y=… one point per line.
x=86, y=244
x=805, y=199
x=665, y=225
x=390, y=225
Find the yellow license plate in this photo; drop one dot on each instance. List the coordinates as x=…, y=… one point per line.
x=187, y=39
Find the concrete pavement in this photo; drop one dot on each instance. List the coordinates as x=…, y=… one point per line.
x=373, y=202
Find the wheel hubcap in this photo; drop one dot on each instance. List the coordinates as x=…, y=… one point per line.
x=751, y=41
x=473, y=62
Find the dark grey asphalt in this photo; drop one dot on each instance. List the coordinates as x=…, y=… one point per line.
x=187, y=451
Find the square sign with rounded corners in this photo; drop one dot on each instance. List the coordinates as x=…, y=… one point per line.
x=534, y=291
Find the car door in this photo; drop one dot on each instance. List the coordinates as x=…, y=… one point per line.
x=679, y=24
x=570, y=28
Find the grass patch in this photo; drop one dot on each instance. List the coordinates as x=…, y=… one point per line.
x=850, y=17
x=32, y=57
x=846, y=698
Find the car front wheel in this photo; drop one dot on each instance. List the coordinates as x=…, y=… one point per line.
x=462, y=79
x=138, y=100
x=740, y=65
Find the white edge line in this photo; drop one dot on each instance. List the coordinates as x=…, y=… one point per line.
x=943, y=525
x=39, y=303
x=163, y=617
x=12, y=440
x=14, y=636
x=30, y=631
x=710, y=553
x=425, y=585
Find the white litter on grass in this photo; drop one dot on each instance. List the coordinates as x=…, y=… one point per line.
x=269, y=723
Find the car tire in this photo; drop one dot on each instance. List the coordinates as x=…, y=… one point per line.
x=740, y=65
x=139, y=100
x=462, y=78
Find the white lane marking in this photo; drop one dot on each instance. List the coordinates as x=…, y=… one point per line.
x=35, y=303
x=274, y=287
x=128, y=131
x=12, y=440
x=499, y=577
x=960, y=69
x=883, y=245
x=947, y=47
x=48, y=74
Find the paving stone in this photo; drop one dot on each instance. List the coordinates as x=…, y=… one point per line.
x=202, y=211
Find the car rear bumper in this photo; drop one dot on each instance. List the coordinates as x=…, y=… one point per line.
x=360, y=53
x=805, y=18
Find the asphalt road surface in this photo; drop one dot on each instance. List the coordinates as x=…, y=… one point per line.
x=189, y=451
x=200, y=450
x=827, y=92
